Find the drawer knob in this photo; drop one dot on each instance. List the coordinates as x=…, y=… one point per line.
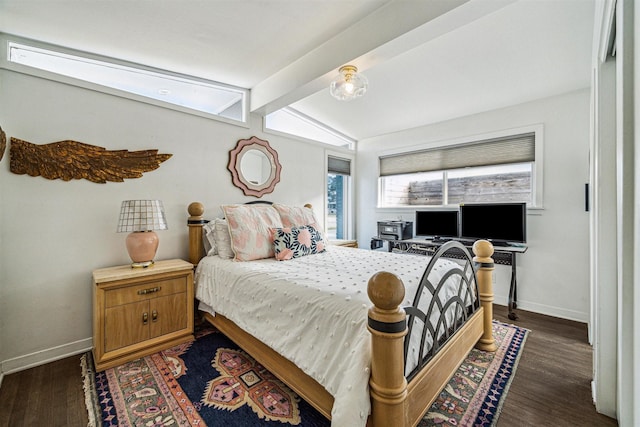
x=154, y=315
x=149, y=291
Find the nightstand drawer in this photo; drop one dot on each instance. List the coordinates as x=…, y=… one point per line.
x=144, y=291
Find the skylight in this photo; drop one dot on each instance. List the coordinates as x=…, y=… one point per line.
x=205, y=96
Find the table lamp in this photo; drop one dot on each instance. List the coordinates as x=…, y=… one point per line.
x=140, y=218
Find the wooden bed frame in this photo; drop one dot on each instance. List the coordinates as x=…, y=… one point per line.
x=394, y=401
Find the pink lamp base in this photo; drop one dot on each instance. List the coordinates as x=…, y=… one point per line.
x=142, y=247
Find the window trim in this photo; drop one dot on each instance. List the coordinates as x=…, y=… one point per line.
x=6, y=39
x=537, y=181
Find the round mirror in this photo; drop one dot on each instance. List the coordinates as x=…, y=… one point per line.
x=254, y=166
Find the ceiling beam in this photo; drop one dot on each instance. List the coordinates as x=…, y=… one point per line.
x=394, y=28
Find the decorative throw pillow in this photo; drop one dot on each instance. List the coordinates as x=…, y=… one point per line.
x=250, y=228
x=223, y=239
x=297, y=216
x=295, y=242
x=209, y=240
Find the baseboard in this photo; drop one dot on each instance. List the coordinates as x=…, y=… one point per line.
x=548, y=310
x=41, y=357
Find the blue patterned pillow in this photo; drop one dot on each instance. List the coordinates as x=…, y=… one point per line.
x=294, y=242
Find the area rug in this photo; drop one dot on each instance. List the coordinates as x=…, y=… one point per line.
x=211, y=382
x=476, y=392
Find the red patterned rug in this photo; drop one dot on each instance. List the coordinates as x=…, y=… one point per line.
x=211, y=382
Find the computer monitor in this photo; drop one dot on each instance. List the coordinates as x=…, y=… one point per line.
x=500, y=223
x=436, y=224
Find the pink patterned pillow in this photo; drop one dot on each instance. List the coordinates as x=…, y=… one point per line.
x=250, y=228
x=295, y=242
x=296, y=216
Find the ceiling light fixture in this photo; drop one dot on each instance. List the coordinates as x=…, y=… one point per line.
x=348, y=84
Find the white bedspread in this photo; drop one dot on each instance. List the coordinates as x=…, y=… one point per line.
x=313, y=311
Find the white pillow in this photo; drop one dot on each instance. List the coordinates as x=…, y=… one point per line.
x=209, y=241
x=223, y=239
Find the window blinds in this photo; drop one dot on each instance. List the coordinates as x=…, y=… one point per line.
x=339, y=166
x=496, y=151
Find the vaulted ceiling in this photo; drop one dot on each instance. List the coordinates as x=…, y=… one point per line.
x=426, y=60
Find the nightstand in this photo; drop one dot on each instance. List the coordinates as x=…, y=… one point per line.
x=139, y=311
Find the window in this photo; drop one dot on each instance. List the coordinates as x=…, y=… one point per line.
x=166, y=88
x=501, y=169
x=501, y=183
x=338, y=215
x=292, y=122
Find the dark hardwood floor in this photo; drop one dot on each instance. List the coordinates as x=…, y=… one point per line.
x=47, y=395
x=551, y=385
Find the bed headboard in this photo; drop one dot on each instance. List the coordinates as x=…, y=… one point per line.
x=196, y=222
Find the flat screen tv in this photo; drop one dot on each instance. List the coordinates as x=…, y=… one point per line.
x=437, y=224
x=499, y=222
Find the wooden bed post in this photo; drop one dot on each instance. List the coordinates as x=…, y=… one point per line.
x=388, y=327
x=195, y=223
x=484, y=266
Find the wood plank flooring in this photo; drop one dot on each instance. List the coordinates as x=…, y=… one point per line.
x=47, y=395
x=551, y=385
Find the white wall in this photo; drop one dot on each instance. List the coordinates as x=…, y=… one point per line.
x=54, y=233
x=553, y=275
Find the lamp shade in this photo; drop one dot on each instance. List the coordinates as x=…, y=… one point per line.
x=140, y=218
x=141, y=215
x=348, y=84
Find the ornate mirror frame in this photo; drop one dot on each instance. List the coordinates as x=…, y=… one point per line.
x=235, y=162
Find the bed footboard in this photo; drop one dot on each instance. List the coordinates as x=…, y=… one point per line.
x=483, y=251
x=393, y=398
x=388, y=327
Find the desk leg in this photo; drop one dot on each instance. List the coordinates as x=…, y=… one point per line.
x=513, y=289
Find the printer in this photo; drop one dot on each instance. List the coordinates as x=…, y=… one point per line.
x=395, y=230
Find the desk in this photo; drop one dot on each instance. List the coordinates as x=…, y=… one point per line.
x=503, y=255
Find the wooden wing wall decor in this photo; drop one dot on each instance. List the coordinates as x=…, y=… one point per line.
x=69, y=160
x=3, y=142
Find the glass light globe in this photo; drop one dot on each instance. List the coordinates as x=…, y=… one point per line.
x=348, y=84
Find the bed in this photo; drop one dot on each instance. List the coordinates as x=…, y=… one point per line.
x=346, y=328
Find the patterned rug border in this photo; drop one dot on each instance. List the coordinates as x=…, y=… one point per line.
x=89, y=386
x=94, y=409
x=475, y=394
x=525, y=334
